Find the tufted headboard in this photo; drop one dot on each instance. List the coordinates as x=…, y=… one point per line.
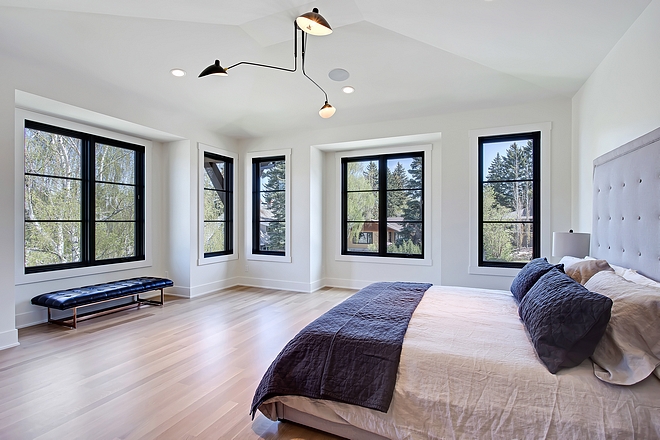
x=626, y=210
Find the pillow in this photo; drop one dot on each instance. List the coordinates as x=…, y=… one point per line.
x=630, y=349
x=528, y=275
x=583, y=270
x=565, y=321
x=657, y=372
x=569, y=261
x=638, y=278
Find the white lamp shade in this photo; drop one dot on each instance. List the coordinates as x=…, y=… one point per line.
x=574, y=244
x=327, y=111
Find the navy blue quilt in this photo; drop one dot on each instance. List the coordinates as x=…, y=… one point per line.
x=351, y=353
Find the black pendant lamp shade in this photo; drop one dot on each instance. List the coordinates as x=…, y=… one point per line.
x=313, y=23
x=214, y=69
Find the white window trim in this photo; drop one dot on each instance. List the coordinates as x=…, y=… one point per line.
x=19, y=201
x=428, y=198
x=201, y=260
x=546, y=148
x=286, y=258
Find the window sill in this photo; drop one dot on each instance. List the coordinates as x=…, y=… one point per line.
x=22, y=278
x=385, y=260
x=493, y=271
x=218, y=259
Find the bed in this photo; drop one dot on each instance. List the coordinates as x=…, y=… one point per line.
x=467, y=368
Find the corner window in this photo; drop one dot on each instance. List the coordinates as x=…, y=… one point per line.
x=509, y=199
x=269, y=205
x=218, y=188
x=83, y=199
x=383, y=205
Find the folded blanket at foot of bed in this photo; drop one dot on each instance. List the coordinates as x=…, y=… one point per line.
x=351, y=353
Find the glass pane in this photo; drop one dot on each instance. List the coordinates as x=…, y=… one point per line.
x=362, y=176
x=507, y=160
x=115, y=240
x=52, y=154
x=273, y=206
x=214, y=205
x=362, y=206
x=40, y=249
x=508, y=201
x=114, y=164
x=404, y=238
x=404, y=205
x=272, y=175
x=362, y=237
x=214, y=236
x=214, y=173
x=48, y=198
x=404, y=173
x=272, y=236
x=508, y=242
x=115, y=202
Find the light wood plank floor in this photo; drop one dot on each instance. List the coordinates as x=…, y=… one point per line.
x=187, y=370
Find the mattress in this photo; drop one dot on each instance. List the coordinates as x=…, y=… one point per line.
x=468, y=370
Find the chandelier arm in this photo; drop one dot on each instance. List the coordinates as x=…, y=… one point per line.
x=304, y=43
x=295, y=55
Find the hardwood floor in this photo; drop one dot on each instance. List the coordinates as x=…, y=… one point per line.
x=187, y=370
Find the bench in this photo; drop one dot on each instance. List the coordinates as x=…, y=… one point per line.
x=100, y=293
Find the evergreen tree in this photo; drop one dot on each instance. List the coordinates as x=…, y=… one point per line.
x=274, y=197
x=396, y=200
x=413, y=207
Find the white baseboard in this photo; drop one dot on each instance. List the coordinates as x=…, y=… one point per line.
x=345, y=284
x=9, y=339
x=294, y=286
x=205, y=289
x=37, y=316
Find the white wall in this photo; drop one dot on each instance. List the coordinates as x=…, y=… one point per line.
x=618, y=103
x=71, y=95
x=450, y=204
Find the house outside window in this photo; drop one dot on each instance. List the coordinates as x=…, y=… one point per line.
x=509, y=199
x=383, y=196
x=218, y=200
x=83, y=199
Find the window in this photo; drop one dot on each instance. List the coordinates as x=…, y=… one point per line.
x=83, y=199
x=509, y=199
x=218, y=187
x=383, y=205
x=269, y=210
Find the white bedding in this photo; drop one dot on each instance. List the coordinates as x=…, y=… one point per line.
x=468, y=370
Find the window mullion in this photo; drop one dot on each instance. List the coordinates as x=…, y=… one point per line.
x=382, y=206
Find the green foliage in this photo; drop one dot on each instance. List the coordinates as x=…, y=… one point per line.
x=407, y=247
x=362, y=200
x=273, y=184
x=497, y=236
x=396, y=200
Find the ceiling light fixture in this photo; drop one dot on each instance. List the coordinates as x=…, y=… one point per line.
x=348, y=89
x=310, y=23
x=178, y=72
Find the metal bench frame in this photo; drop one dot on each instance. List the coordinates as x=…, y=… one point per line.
x=73, y=320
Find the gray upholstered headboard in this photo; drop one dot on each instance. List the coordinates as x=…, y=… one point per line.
x=626, y=211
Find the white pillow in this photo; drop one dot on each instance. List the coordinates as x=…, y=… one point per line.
x=629, y=351
x=568, y=261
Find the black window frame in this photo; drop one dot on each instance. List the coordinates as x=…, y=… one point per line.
x=88, y=207
x=256, y=205
x=535, y=136
x=229, y=204
x=382, y=207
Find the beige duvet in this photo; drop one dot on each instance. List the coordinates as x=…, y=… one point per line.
x=468, y=371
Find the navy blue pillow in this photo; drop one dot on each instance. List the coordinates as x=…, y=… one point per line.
x=565, y=320
x=529, y=275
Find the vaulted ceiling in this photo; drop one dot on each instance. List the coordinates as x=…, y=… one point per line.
x=405, y=58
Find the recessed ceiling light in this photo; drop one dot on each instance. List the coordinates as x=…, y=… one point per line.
x=178, y=72
x=348, y=89
x=338, y=75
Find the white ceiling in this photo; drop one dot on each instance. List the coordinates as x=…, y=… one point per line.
x=406, y=58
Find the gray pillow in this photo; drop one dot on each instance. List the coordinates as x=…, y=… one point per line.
x=529, y=275
x=565, y=321
x=630, y=350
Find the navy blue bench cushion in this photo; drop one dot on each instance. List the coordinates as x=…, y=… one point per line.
x=66, y=299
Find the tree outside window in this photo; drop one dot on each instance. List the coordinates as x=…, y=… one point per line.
x=83, y=199
x=269, y=206
x=509, y=199
x=218, y=205
x=391, y=214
